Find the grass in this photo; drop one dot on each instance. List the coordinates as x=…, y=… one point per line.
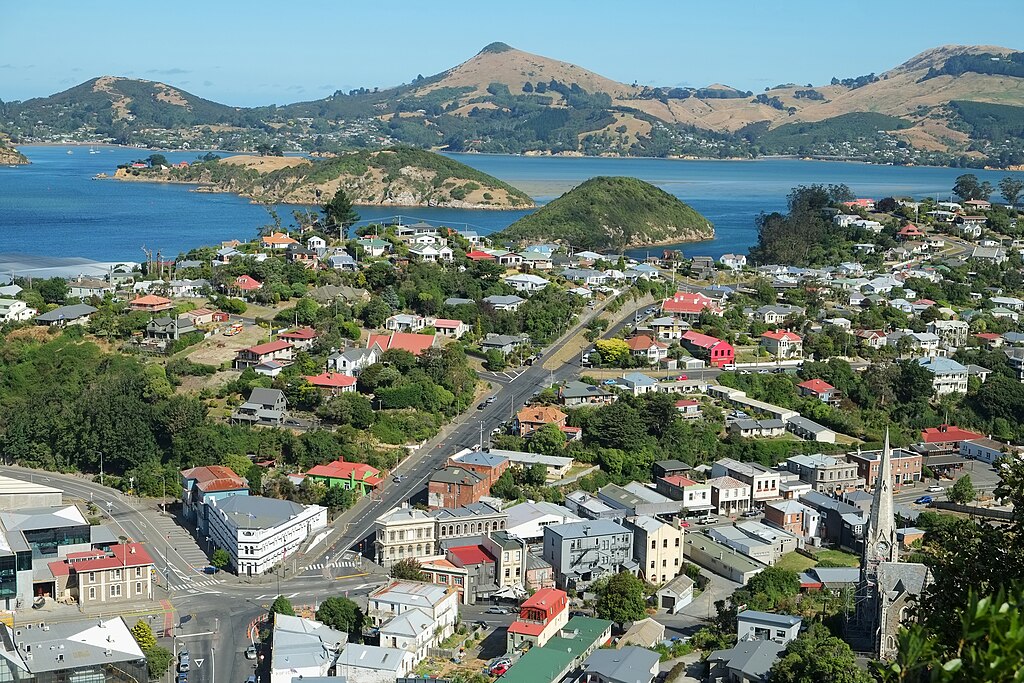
x=796, y=562
x=840, y=557
x=800, y=563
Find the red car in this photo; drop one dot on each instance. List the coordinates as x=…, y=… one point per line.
x=499, y=669
x=685, y=525
x=682, y=378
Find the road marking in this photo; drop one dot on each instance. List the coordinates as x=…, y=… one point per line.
x=293, y=595
x=199, y=661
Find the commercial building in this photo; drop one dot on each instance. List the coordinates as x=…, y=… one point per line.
x=453, y=487
x=557, y=466
x=636, y=499
x=124, y=573
x=582, y=552
x=473, y=520
x=729, y=496
x=487, y=465
x=259, y=532
x=439, y=603
x=404, y=533
x=528, y=520
x=303, y=648
x=353, y=476
x=906, y=466
x=721, y=559
x=657, y=548
x=202, y=485
x=16, y=494
x=695, y=496
x=984, y=449
x=825, y=473
x=563, y=653
x=763, y=482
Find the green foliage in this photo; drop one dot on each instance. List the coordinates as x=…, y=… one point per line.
x=408, y=570
x=967, y=187
x=801, y=138
x=1010, y=189
x=143, y=635
x=816, y=655
x=341, y=614
x=621, y=598
x=220, y=558
x=962, y=492
x=494, y=360
x=282, y=605
x=612, y=212
x=158, y=659
x=339, y=212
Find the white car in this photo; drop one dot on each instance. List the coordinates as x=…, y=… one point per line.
x=934, y=488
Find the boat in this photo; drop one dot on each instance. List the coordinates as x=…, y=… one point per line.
x=70, y=152
x=93, y=151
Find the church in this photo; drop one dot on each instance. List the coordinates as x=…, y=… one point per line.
x=887, y=587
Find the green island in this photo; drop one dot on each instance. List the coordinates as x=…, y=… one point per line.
x=613, y=212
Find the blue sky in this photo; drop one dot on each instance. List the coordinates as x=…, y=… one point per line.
x=261, y=52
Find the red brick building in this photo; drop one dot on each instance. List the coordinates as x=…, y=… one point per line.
x=906, y=466
x=455, y=486
x=485, y=465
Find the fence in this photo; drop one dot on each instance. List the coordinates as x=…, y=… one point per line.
x=1004, y=515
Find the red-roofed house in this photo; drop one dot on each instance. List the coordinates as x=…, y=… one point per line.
x=819, y=389
x=302, y=338
x=910, y=232
x=450, y=328
x=477, y=255
x=407, y=341
x=690, y=305
x=247, y=283
x=531, y=418
x=280, y=351
x=354, y=476
x=866, y=204
x=541, y=617
x=783, y=344
x=95, y=577
x=150, y=303
x=990, y=339
x=717, y=352
x=642, y=346
x=277, y=240
x=333, y=382
x=948, y=437
x=688, y=408
x=695, y=495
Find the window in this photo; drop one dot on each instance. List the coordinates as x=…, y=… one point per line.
x=92, y=592
x=117, y=575
x=92, y=577
x=664, y=563
x=654, y=545
x=664, y=543
x=138, y=572
x=677, y=541
x=138, y=588
x=677, y=562
x=115, y=590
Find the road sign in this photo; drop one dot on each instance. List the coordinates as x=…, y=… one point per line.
x=199, y=661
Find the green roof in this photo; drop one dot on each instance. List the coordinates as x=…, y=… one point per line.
x=549, y=663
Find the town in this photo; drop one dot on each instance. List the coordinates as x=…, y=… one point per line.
x=370, y=451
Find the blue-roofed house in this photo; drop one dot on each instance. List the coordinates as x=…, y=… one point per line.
x=637, y=382
x=950, y=377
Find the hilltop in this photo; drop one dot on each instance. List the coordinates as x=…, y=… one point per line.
x=953, y=104
x=612, y=213
x=10, y=156
x=399, y=176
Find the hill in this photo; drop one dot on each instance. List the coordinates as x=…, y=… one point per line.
x=612, y=213
x=399, y=176
x=10, y=156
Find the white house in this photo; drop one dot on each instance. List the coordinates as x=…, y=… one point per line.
x=753, y=625
x=526, y=282
x=438, y=603
x=950, y=377
x=259, y=532
x=303, y=648
x=986, y=450
x=733, y=261
x=15, y=310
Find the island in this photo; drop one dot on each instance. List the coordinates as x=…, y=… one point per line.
x=397, y=176
x=613, y=213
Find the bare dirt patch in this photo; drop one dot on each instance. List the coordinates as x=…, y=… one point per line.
x=165, y=93
x=264, y=164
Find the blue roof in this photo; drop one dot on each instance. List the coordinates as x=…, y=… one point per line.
x=639, y=378
x=944, y=366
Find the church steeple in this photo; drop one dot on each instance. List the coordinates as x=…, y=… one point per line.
x=880, y=535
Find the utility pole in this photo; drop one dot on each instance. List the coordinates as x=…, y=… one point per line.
x=101, y=468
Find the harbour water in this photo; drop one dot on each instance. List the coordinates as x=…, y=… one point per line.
x=54, y=207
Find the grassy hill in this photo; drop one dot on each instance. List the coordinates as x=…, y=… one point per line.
x=10, y=156
x=399, y=176
x=612, y=213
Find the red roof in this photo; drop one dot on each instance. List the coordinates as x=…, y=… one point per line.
x=247, y=283
x=988, y=336
x=339, y=469
x=120, y=555
x=704, y=341
x=477, y=255
x=149, y=300
x=687, y=402
x=910, y=230
x=445, y=324
x=545, y=598
x=944, y=433
x=407, y=341
x=781, y=335
x=527, y=628
x=472, y=554
x=685, y=302
x=215, y=478
x=817, y=386
x=279, y=238
x=301, y=334
x=643, y=342
x=924, y=302
x=269, y=347
x=331, y=380
x=679, y=480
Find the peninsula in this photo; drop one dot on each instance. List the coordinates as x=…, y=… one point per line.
x=613, y=212
x=10, y=156
x=397, y=176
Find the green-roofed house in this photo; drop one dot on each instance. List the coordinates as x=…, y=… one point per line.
x=562, y=653
x=375, y=247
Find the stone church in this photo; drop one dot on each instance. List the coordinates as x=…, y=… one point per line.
x=887, y=586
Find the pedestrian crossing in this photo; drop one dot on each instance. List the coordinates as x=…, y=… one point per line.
x=331, y=565
x=194, y=586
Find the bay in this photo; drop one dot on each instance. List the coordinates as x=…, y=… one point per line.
x=54, y=207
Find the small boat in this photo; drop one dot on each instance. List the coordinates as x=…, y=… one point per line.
x=93, y=151
x=70, y=152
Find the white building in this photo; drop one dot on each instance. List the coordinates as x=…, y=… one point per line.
x=526, y=282
x=527, y=520
x=438, y=602
x=259, y=532
x=15, y=310
x=950, y=377
x=403, y=533
x=303, y=648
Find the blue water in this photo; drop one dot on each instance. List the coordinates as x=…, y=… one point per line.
x=54, y=207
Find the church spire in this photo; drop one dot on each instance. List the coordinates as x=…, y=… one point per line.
x=880, y=534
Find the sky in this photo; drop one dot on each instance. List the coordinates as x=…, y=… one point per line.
x=257, y=52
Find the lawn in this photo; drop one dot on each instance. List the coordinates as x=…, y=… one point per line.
x=796, y=562
x=800, y=563
x=839, y=557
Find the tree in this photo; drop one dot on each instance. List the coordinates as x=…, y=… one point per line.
x=155, y=160
x=1010, y=188
x=494, y=360
x=613, y=352
x=408, y=569
x=962, y=492
x=157, y=660
x=816, y=655
x=143, y=635
x=967, y=187
x=338, y=213
x=53, y=291
x=220, y=558
x=622, y=598
x=341, y=614
x=282, y=605
x=549, y=440
x=337, y=498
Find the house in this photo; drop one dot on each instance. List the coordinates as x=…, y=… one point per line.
x=281, y=351
x=952, y=334
x=763, y=483
x=909, y=232
x=453, y=486
x=15, y=310
x=637, y=383
x=333, y=383
x=754, y=429
x=557, y=466
x=187, y=288
x=246, y=284
x=657, y=548
x=575, y=393
x=669, y=327
x=949, y=377
x=642, y=346
x=995, y=255
x=150, y=303
x=629, y=664
x=775, y=314
x=541, y=617
x=948, y=437
x=717, y=352
x=647, y=632
x=509, y=259
x=528, y=519
x=259, y=532
x=200, y=485
x=374, y=247
x=485, y=464
x=819, y=389
x=531, y=418
x=405, y=322
x=793, y=517
x=301, y=339
x=477, y=255
x=526, y=282
x=121, y=573
x=440, y=603
x=81, y=288
x=754, y=625
x=689, y=306
x=263, y=407
x=809, y=430
x=729, y=496
x=688, y=408
x=874, y=339
x=353, y=361
x=341, y=261
x=733, y=261
x=695, y=496
x=303, y=648
x=504, y=302
x=582, y=552
x=415, y=344
x=167, y=329
x=450, y=328
x=536, y=260
x=585, y=276
x=746, y=662
x=978, y=204
x=783, y=344
x=506, y=344
x=62, y=316
x=986, y=450
x=432, y=254
x=204, y=316
x=277, y=241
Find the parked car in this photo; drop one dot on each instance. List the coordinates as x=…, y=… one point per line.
x=608, y=381
x=924, y=500
x=481, y=406
x=934, y=488
x=183, y=677
x=751, y=513
x=497, y=609
x=499, y=669
x=707, y=519
x=398, y=478
x=682, y=378
x=183, y=660
x=685, y=525
x=250, y=652
x=251, y=679
x=480, y=623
